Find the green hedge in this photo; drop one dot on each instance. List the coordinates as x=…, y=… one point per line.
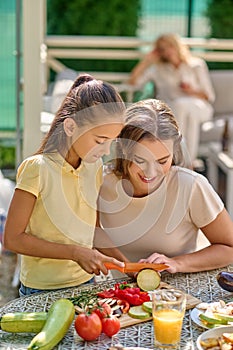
x=7, y=157
x=220, y=15
x=91, y=17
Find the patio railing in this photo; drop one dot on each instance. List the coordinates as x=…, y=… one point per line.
x=123, y=48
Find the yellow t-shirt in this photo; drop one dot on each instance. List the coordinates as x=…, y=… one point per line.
x=64, y=212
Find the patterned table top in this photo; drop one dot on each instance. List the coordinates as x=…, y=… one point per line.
x=202, y=285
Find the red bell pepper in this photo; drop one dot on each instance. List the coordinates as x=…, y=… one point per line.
x=124, y=291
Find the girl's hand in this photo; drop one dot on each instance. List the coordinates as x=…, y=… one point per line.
x=92, y=261
x=162, y=259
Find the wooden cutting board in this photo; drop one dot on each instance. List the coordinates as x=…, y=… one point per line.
x=127, y=321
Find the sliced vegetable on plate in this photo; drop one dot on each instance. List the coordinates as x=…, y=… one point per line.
x=211, y=315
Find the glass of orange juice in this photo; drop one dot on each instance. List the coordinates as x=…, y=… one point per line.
x=168, y=313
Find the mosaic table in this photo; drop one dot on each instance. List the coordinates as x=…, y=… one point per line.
x=202, y=285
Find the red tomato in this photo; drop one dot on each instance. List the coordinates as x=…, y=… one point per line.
x=88, y=326
x=110, y=325
x=102, y=309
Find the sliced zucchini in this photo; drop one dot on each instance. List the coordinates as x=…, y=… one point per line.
x=223, y=317
x=138, y=312
x=211, y=320
x=148, y=279
x=147, y=306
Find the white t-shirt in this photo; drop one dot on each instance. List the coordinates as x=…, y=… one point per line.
x=166, y=221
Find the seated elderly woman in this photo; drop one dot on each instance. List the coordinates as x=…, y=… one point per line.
x=152, y=208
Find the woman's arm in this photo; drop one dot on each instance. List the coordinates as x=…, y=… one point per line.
x=17, y=240
x=103, y=243
x=187, y=89
x=205, y=90
x=219, y=254
x=139, y=69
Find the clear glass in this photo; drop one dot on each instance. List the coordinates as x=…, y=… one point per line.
x=168, y=313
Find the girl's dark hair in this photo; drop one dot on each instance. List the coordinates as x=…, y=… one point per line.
x=149, y=119
x=89, y=101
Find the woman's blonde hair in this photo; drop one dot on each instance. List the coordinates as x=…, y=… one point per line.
x=175, y=41
x=148, y=119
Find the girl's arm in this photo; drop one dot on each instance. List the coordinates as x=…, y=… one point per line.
x=17, y=240
x=219, y=254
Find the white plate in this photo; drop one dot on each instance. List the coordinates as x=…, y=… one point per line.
x=195, y=317
x=213, y=333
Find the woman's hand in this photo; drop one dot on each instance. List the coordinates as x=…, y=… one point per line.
x=188, y=90
x=162, y=259
x=92, y=261
x=149, y=59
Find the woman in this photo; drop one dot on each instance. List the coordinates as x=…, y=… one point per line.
x=183, y=82
x=52, y=216
x=152, y=208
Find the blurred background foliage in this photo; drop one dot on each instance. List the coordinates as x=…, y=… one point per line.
x=7, y=155
x=88, y=17
x=220, y=17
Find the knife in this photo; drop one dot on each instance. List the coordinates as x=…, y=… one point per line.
x=135, y=267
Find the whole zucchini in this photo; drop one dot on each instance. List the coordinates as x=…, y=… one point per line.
x=60, y=317
x=23, y=322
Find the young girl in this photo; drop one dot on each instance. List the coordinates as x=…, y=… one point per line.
x=52, y=215
x=152, y=208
